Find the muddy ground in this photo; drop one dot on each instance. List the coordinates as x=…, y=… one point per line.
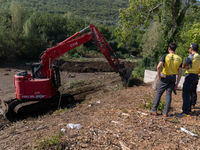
x=112, y=117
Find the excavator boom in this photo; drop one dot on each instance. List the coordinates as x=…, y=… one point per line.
x=70, y=43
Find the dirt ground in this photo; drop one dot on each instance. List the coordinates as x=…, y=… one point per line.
x=112, y=117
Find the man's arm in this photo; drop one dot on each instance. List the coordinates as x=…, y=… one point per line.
x=187, y=62
x=178, y=78
x=185, y=66
x=159, y=69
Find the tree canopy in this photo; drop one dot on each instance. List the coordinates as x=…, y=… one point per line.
x=141, y=13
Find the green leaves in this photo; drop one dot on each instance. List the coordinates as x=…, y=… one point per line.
x=194, y=33
x=191, y=36
x=137, y=17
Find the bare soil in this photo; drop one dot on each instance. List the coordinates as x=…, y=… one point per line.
x=112, y=117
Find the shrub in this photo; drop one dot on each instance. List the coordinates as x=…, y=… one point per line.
x=147, y=63
x=76, y=83
x=149, y=104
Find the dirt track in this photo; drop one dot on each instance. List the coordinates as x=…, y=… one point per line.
x=111, y=117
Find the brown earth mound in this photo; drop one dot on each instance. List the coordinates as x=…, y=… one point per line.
x=90, y=67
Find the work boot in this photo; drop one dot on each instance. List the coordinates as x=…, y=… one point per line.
x=153, y=112
x=182, y=115
x=164, y=114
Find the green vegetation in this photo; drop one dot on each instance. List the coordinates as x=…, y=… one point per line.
x=84, y=102
x=48, y=142
x=12, y=130
x=124, y=110
x=102, y=11
x=135, y=80
x=76, y=83
x=195, y=132
x=148, y=103
x=60, y=110
x=174, y=121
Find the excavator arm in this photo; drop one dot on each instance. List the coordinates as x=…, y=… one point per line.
x=70, y=43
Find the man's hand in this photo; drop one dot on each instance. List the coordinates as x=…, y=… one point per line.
x=163, y=76
x=175, y=87
x=187, y=67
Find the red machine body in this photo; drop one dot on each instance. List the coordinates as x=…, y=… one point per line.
x=44, y=80
x=27, y=88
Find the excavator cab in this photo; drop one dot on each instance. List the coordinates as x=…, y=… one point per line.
x=55, y=74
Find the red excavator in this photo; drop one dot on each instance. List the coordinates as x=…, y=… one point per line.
x=33, y=88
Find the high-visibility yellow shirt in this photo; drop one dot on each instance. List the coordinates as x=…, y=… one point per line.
x=194, y=63
x=171, y=64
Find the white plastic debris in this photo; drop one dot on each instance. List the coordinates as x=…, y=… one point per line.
x=42, y=127
x=142, y=113
x=73, y=126
x=124, y=114
x=63, y=130
x=98, y=102
x=188, y=132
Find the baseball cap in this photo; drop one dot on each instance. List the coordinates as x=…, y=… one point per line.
x=194, y=46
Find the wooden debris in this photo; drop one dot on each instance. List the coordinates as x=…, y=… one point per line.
x=188, y=132
x=123, y=146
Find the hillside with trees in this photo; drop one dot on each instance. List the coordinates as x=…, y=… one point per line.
x=30, y=27
x=144, y=28
x=102, y=11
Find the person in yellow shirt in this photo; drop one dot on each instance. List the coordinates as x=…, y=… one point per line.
x=191, y=65
x=172, y=64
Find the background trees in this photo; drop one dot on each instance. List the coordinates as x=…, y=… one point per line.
x=142, y=15
x=160, y=22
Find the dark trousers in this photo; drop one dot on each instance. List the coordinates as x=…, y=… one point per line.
x=167, y=84
x=189, y=85
x=194, y=96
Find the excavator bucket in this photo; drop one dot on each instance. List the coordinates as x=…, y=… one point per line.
x=3, y=108
x=125, y=74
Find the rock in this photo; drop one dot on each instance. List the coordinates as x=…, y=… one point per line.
x=83, y=145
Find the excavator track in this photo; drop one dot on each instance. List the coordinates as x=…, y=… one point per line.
x=16, y=107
